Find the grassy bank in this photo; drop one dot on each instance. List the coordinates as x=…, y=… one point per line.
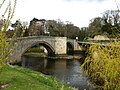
x=103, y=66
x=18, y=78
x=35, y=54
x=37, y=49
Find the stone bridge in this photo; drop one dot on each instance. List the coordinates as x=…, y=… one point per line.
x=54, y=45
x=73, y=45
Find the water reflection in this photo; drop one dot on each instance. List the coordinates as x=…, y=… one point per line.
x=67, y=71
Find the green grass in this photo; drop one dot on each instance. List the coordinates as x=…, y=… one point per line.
x=34, y=54
x=37, y=49
x=19, y=78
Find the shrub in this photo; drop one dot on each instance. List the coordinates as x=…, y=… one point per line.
x=103, y=65
x=5, y=51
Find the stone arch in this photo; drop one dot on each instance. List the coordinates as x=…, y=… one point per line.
x=70, y=48
x=49, y=48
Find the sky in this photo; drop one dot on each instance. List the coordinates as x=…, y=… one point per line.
x=78, y=12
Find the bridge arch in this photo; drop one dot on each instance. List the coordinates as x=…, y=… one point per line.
x=70, y=48
x=46, y=45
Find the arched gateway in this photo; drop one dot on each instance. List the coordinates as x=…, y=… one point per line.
x=54, y=45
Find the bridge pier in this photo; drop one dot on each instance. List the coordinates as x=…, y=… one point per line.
x=60, y=45
x=73, y=46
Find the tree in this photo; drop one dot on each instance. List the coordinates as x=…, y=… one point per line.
x=19, y=28
x=72, y=31
x=94, y=27
x=5, y=51
x=111, y=23
x=82, y=34
x=111, y=16
x=58, y=28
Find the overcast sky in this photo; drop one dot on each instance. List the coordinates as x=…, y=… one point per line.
x=79, y=12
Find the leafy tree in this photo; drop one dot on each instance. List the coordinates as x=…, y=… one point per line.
x=25, y=29
x=72, y=31
x=82, y=34
x=5, y=51
x=111, y=23
x=26, y=32
x=19, y=28
x=111, y=16
x=58, y=28
x=94, y=27
x=108, y=25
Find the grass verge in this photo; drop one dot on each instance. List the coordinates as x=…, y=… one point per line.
x=18, y=78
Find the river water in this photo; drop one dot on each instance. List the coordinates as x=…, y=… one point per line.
x=65, y=70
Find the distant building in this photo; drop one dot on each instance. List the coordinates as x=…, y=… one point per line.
x=38, y=27
x=100, y=37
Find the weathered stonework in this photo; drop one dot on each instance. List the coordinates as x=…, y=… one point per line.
x=75, y=45
x=54, y=45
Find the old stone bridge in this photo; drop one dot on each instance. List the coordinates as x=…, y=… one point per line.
x=54, y=45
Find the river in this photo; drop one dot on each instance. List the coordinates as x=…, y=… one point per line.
x=66, y=70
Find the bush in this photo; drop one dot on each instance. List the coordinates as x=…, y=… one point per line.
x=5, y=51
x=103, y=65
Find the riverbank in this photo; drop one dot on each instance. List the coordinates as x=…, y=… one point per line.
x=65, y=57
x=36, y=54
x=18, y=78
